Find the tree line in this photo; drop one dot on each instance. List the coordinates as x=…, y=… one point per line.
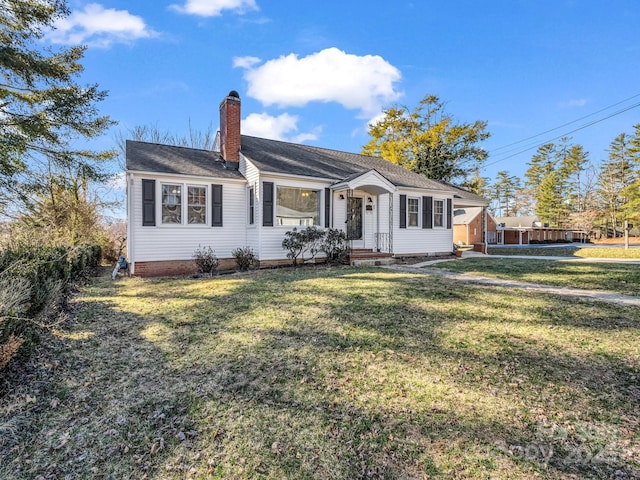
x=561, y=185
x=565, y=189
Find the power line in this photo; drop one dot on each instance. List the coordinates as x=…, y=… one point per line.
x=566, y=124
x=635, y=105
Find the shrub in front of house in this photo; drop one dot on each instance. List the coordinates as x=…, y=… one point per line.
x=206, y=260
x=245, y=258
x=305, y=244
x=334, y=245
x=302, y=245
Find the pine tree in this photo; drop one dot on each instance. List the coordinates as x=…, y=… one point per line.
x=615, y=179
x=43, y=110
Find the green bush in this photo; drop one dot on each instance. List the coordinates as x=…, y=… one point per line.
x=33, y=281
x=299, y=243
x=305, y=244
x=334, y=245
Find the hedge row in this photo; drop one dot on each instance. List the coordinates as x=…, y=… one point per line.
x=31, y=280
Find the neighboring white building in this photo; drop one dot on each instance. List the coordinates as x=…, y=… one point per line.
x=251, y=191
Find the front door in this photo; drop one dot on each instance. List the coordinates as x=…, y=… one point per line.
x=354, y=221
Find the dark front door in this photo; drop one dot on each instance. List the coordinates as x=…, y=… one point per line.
x=354, y=219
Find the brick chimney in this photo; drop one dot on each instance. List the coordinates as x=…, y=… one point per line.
x=230, y=129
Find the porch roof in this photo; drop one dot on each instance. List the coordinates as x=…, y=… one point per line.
x=370, y=181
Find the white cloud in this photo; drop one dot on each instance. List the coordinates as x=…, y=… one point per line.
x=245, y=62
x=282, y=127
x=363, y=83
x=99, y=26
x=214, y=8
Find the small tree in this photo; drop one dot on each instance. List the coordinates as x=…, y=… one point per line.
x=206, y=260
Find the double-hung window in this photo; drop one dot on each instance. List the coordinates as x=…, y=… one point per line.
x=172, y=204
x=197, y=205
x=412, y=212
x=184, y=204
x=252, y=209
x=438, y=213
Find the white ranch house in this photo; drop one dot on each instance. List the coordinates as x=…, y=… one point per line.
x=250, y=191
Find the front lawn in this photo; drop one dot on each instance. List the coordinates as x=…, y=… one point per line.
x=573, y=250
x=330, y=374
x=615, y=277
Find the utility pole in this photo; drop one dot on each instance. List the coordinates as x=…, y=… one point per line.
x=627, y=226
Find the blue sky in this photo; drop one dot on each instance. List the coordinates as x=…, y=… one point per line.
x=317, y=72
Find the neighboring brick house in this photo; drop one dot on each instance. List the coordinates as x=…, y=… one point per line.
x=529, y=229
x=468, y=226
x=250, y=191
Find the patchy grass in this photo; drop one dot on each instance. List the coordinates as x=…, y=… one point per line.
x=567, y=251
x=342, y=373
x=617, y=277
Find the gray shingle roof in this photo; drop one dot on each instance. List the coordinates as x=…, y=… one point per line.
x=463, y=216
x=290, y=158
x=274, y=156
x=154, y=157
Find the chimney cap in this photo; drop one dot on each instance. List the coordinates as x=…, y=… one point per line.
x=234, y=94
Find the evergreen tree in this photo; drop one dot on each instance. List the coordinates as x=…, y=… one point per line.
x=631, y=193
x=615, y=180
x=43, y=110
x=505, y=190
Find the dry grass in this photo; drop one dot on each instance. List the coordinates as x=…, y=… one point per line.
x=344, y=373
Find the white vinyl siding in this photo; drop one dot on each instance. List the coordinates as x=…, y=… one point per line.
x=422, y=241
x=179, y=241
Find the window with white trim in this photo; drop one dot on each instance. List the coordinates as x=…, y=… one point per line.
x=297, y=206
x=197, y=205
x=438, y=213
x=412, y=212
x=252, y=210
x=184, y=204
x=172, y=204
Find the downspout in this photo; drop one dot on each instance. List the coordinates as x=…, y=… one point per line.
x=130, y=221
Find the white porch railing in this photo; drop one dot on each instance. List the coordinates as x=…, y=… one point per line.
x=383, y=243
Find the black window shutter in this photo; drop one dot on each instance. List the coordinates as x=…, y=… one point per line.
x=403, y=211
x=148, y=203
x=267, y=204
x=427, y=212
x=327, y=207
x=449, y=213
x=216, y=205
